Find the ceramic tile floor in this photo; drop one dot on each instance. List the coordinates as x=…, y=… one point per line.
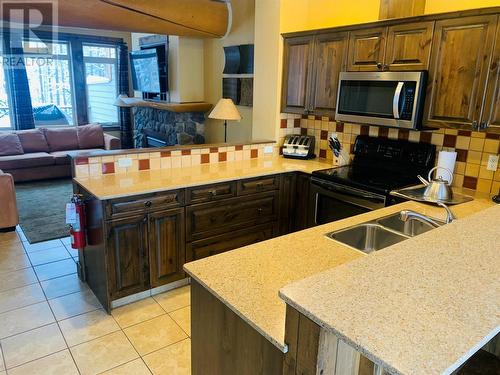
x=51, y=323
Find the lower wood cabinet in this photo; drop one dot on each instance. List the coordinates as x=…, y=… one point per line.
x=127, y=249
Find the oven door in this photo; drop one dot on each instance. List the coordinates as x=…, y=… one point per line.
x=381, y=98
x=333, y=202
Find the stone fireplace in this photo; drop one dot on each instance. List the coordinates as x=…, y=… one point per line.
x=156, y=127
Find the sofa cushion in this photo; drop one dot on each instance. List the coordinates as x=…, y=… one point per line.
x=33, y=140
x=61, y=139
x=10, y=144
x=35, y=159
x=90, y=136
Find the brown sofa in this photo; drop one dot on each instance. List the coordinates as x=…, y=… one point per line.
x=42, y=153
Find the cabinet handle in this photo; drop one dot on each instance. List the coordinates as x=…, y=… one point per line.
x=213, y=193
x=484, y=125
x=260, y=210
x=380, y=65
x=148, y=204
x=145, y=219
x=474, y=125
x=259, y=186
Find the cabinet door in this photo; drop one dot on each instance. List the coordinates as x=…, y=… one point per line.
x=128, y=268
x=330, y=56
x=409, y=46
x=166, y=246
x=490, y=120
x=296, y=74
x=367, y=49
x=458, y=71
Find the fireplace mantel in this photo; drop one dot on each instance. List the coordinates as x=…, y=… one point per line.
x=168, y=106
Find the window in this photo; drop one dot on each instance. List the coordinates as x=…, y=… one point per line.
x=101, y=67
x=50, y=83
x=5, y=121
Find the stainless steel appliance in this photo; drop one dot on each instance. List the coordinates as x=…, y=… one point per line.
x=382, y=98
x=299, y=147
x=379, y=167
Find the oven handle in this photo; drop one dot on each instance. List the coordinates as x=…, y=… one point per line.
x=396, y=99
x=349, y=190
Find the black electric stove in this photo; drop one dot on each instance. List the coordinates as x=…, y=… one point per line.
x=379, y=166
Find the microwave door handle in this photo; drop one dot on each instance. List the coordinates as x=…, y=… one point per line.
x=395, y=101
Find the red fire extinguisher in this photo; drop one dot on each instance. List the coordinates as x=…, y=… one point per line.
x=76, y=221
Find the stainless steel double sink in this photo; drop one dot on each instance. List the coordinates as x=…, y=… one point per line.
x=380, y=233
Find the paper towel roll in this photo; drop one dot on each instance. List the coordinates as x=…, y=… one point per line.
x=446, y=160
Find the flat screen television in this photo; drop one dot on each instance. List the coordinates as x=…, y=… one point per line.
x=145, y=71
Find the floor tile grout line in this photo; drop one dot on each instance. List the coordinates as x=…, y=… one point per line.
x=29, y=330
x=33, y=360
x=166, y=346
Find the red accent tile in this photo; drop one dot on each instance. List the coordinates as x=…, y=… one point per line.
x=108, y=168
x=322, y=153
x=254, y=153
x=238, y=147
x=317, y=118
x=205, y=158
x=222, y=156
x=165, y=154
x=492, y=136
x=296, y=123
x=283, y=123
x=214, y=150
x=81, y=161
x=450, y=140
x=383, y=132
x=365, y=129
x=467, y=133
x=324, y=134
x=425, y=137
x=186, y=152
x=143, y=164
x=304, y=117
x=470, y=182
x=461, y=155
x=403, y=134
x=340, y=127
x=303, y=131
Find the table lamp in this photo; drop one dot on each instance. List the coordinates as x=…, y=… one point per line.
x=227, y=111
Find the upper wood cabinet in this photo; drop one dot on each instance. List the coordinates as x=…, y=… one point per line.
x=458, y=71
x=311, y=71
x=297, y=74
x=396, y=48
x=367, y=49
x=330, y=57
x=490, y=119
x=409, y=46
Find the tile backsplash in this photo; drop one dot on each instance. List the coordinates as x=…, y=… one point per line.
x=473, y=148
x=164, y=159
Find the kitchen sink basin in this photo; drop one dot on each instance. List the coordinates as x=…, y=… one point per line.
x=378, y=234
x=410, y=228
x=367, y=237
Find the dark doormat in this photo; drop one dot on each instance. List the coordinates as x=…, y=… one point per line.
x=42, y=208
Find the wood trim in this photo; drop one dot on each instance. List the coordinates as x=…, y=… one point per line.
x=397, y=21
x=401, y=8
x=224, y=344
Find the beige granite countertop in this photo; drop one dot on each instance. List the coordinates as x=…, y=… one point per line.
x=423, y=306
x=150, y=181
x=248, y=279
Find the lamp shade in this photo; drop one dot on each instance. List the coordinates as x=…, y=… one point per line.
x=225, y=110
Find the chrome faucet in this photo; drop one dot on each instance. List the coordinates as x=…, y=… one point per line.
x=407, y=215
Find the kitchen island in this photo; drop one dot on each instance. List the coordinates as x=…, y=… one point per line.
x=236, y=308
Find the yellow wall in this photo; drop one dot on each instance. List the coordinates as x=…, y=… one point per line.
x=242, y=32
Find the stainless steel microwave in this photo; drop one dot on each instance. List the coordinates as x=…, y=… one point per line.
x=382, y=98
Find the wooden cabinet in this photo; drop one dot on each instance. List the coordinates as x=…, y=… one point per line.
x=127, y=249
x=166, y=246
x=297, y=74
x=458, y=71
x=490, y=119
x=409, y=46
x=367, y=49
x=330, y=57
x=210, y=193
x=396, y=48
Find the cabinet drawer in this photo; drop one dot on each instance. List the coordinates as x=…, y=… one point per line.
x=209, y=219
x=210, y=193
x=229, y=241
x=145, y=203
x=257, y=185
